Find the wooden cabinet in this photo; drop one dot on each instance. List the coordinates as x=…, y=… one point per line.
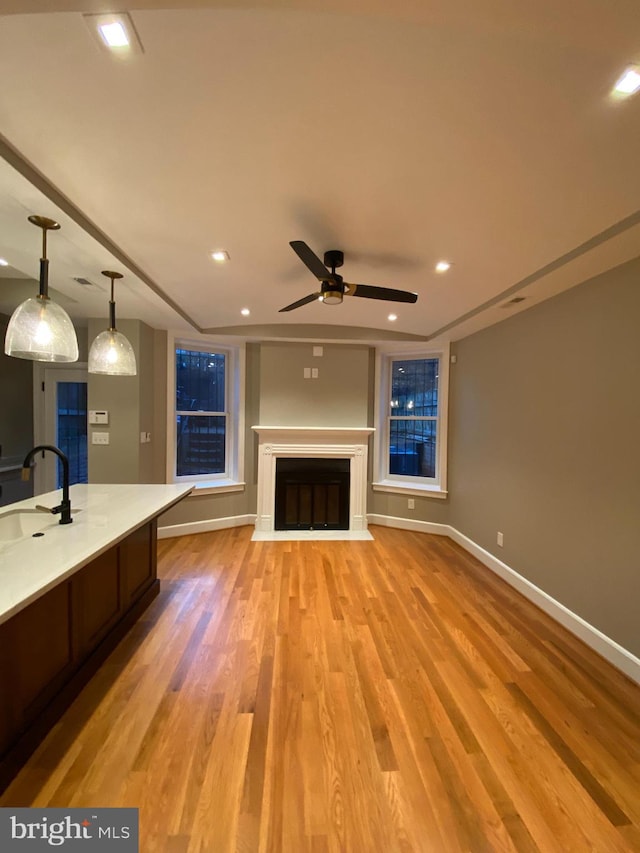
x=97, y=600
x=138, y=559
x=49, y=649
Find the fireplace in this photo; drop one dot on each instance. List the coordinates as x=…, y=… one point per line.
x=344, y=445
x=312, y=494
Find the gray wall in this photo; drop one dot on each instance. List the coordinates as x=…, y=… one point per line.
x=338, y=397
x=16, y=420
x=130, y=403
x=16, y=400
x=159, y=428
x=544, y=447
x=435, y=510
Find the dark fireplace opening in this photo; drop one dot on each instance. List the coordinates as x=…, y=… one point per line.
x=312, y=494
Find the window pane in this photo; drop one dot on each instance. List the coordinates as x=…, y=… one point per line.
x=71, y=431
x=201, y=444
x=199, y=381
x=412, y=448
x=414, y=387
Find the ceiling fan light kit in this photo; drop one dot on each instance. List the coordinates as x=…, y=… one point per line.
x=39, y=329
x=332, y=285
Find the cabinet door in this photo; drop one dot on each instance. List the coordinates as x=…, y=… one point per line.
x=97, y=602
x=138, y=562
x=39, y=649
x=7, y=694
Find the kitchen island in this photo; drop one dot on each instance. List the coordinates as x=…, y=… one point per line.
x=68, y=593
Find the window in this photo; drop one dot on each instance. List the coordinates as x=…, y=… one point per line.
x=201, y=413
x=411, y=430
x=205, y=418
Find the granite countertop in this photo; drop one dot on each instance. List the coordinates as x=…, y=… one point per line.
x=103, y=515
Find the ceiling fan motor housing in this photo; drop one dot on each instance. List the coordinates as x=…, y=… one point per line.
x=333, y=259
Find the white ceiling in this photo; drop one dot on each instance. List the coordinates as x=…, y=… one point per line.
x=482, y=131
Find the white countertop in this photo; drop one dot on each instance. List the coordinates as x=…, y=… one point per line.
x=102, y=516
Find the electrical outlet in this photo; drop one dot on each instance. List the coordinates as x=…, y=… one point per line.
x=314, y=372
x=500, y=539
x=411, y=503
x=100, y=438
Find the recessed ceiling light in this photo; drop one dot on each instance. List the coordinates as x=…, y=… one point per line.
x=443, y=266
x=220, y=256
x=392, y=317
x=245, y=312
x=115, y=32
x=629, y=82
x=114, y=35
x=3, y=263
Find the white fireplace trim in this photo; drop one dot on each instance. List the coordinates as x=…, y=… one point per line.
x=312, y=443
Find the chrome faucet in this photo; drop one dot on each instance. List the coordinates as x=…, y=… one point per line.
x=65, y=506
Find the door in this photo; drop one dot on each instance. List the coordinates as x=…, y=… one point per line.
x=64, y=423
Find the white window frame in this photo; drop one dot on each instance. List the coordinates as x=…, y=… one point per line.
x=383, y=481
x=232, y=480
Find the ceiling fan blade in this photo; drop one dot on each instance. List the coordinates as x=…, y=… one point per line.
x=311, y=260
x=386, y=293
x=304, y=301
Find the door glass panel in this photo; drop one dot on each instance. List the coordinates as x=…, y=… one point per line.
x=71, y=430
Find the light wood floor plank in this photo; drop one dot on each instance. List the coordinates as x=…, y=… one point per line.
x=391, y=696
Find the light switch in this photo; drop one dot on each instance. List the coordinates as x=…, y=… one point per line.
x=307, y=373
x=100, y=438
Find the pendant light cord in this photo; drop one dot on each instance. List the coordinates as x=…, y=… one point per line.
x=44, y=269
x=112, y=310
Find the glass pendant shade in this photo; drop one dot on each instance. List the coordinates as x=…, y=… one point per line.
x=42, y=331
x=39, y=329
x=112, y=355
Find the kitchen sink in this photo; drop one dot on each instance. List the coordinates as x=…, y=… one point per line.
x=21, y=523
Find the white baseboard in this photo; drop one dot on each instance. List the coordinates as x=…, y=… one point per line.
x=409, y=524
x=616, y=654
x=205, y=526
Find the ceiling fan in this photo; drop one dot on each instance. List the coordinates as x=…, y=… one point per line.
x=333, y=287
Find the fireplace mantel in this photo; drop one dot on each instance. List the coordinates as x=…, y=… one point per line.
x=312, y=443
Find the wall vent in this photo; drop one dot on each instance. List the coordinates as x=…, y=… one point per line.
x=514, y=301
x=84, y=281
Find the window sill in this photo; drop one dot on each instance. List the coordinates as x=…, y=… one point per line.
x=214, y=487
x=394, y=487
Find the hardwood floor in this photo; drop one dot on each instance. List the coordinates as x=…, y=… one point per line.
x=372, y=697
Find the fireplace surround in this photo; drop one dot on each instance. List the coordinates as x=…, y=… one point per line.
x=277, y=442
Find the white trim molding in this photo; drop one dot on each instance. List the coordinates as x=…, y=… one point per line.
x=205, y=526
x=410, y=524
x=276, y=442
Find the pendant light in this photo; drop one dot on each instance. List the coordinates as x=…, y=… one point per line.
x=111, y=353
x=39, y=329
